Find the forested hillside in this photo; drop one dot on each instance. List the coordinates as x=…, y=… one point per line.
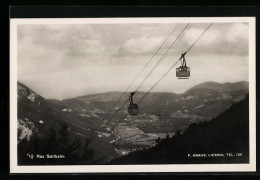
x=224, y=139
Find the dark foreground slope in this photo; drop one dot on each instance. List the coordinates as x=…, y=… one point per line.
x=206, y=142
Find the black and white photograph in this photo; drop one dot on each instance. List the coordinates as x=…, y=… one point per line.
x=132, y=95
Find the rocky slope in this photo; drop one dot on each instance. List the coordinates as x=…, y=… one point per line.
x=36, y=116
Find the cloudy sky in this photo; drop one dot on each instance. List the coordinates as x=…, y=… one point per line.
x=70, y=60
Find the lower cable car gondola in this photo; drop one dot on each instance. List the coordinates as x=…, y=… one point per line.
x=183, y=72
x=133, y=109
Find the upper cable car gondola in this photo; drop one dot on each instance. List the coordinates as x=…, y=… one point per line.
x=183, y=72
x=133, y=109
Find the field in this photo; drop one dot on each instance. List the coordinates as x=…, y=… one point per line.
x=132, y=138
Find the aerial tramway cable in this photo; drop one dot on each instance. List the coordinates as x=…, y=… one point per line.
x=128, y=65
x=160, y=60
x=165, y=73
x=174, y=64
x=140, y=72
x=158, y=81
x=199, y=37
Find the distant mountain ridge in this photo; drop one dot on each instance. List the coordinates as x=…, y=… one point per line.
x=201, y=102
x=217, y=87
x=213, y=87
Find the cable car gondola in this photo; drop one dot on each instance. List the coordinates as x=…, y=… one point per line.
x=183, y=72
x=133, y=109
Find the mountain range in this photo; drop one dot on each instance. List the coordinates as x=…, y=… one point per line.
x=161, y=114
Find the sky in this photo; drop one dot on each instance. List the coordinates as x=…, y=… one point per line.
x=60, y=61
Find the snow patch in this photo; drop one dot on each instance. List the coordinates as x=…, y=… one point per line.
x=25, y=132
x=190, y=97
x=41, y=121
x=123, y=151
x=154, y=117
x=65, y=109
x=98, y=111
x=32, y=97
x=26, y=129
x=226, y=96
x=84, y=115
x=94, y=115
x=103, y=134
x=199, y=106
x=112, y=141
x=77, y=133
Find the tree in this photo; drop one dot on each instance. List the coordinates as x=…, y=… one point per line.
x=55, y=143
x=87, y=156
x=158, y=140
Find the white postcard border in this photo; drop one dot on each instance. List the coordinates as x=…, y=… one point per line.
x=14, y=168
